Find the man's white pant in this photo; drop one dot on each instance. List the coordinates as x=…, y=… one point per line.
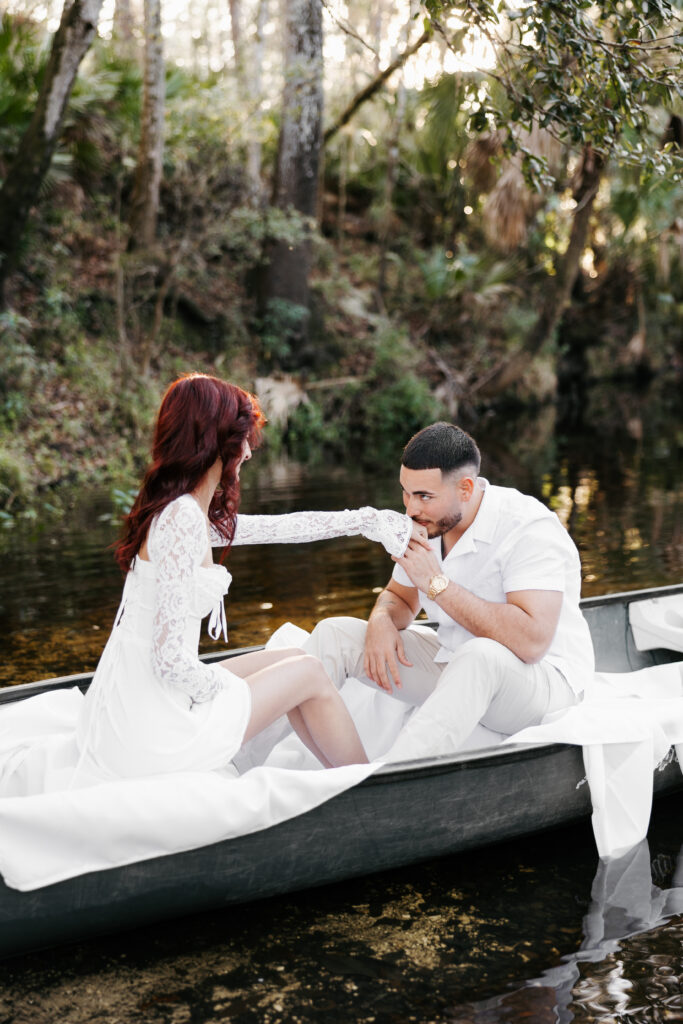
x=483, y=682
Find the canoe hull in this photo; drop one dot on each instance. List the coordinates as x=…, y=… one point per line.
x=398, y=816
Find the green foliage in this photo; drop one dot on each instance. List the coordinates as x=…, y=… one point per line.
x=588, y=73
x=246, y=231
x=310, y=433
x=101, y=120
x=20, y=370
x=281, y=322
x=464, y=299
x=14, y=481
x=22, y=63
x=371, y=420
x=398, y=401
x=103, y=110
x=122, y=502
x=475, y=278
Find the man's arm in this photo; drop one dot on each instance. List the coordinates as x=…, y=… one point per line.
x=395, y=609
x=525, y=623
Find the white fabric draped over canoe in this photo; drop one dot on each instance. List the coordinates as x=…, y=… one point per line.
x=50, y=832
x=626, y=724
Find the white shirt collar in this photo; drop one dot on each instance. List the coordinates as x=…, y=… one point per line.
x=483, y=526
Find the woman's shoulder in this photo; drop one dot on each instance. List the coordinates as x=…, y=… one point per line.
x=181, y=516
x=183, y=505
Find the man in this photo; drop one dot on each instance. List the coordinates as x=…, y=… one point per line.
x=501, y=577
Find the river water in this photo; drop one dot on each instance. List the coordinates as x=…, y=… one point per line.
x=486, y=937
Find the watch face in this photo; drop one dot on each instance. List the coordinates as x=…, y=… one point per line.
x=437, y=585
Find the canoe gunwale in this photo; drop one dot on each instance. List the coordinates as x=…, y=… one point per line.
x=481, y=757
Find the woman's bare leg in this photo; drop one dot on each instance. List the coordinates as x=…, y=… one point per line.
x=298, y=724
x=301, y=684
x=244, y=665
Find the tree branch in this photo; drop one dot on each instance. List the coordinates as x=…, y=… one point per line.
x=365, y=94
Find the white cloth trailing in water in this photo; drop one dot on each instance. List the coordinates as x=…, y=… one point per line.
x=626, y=724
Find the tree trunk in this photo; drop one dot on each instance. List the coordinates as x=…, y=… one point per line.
x=559, y=290
x=296, y=173
x=255, y=93
x=21, y=187
x=376, y=31
x=344, y=159
x=248, y=71
x=145, y=199
x=122, y=29
x=237, y=39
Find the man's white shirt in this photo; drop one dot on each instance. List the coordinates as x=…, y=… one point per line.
x=515, y=543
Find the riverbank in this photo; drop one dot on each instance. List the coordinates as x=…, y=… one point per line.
x=78, y=413
x=86, y=351
x=76, y=409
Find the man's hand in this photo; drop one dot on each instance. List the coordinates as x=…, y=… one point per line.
x=420, y=563
x=419, y=535
x=383, y=651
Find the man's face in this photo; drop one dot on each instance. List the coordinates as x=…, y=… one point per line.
x=434, y=500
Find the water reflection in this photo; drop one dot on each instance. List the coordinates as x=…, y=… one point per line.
x=608, y=978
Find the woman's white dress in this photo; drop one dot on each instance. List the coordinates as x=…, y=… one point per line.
x=153, y=706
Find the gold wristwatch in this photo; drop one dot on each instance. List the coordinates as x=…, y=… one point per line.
x=437, y=585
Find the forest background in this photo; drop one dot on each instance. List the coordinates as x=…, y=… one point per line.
x=373, y=214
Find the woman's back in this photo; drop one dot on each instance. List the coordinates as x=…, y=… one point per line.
x=153, y=706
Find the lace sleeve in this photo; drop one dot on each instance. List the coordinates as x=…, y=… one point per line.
x=392, y=529
x=176, y=546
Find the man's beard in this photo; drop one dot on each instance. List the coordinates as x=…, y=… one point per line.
x=442, y=526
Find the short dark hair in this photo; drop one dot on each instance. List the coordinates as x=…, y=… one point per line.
x=441, y=446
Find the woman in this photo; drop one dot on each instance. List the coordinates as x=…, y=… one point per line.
x=153, y=706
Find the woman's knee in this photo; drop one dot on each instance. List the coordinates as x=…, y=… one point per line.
x=311, y=670
x=291, y=652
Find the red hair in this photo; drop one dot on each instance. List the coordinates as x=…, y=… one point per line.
x=200, y=419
